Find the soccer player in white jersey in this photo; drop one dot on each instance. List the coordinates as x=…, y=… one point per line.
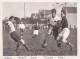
x=14, y=35
x=22, y=28
x=62, y=37
x=36, y=30
x=53, y=21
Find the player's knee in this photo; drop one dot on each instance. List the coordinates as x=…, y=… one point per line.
x=21, y=36
x=22, y=41
x=64, y=41
x=49, y=32
x=59, y=37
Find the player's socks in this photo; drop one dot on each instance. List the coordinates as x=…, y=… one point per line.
x=23, y=43
x=22, y=33
x=45, y=41
x=26, y=47
x=71, y=46
x=58, y=41
x=58, y=44
x=34, y=36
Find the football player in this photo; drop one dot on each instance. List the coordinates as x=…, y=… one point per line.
x=22, y=28
x=14, y=35
x=36, y=30
x=62, y=37
x=53, y=21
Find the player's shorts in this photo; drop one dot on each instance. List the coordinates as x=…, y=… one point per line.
x=55, y=31
x=36, y=32
x=64, y=34
x=15, y=36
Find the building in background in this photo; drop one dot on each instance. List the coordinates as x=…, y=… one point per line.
x=43, y=12
x=71, y=12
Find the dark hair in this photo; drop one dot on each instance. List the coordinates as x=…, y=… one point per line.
x=64, y=12
x=53, y=10
x=11, y=17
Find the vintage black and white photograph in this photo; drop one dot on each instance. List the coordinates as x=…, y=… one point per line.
x=39, y=28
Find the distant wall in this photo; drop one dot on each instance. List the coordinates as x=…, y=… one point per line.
x=72, y=19
x=71, y=15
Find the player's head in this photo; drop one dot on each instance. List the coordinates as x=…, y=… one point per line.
x=63, y=13
x=53, y=11
x=11, y=18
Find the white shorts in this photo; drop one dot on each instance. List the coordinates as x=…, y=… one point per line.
x=36, y=32
x=64, y=34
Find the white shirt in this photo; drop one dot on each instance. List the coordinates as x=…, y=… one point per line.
x=21, y=26
x=53, y=20
x=11, y=26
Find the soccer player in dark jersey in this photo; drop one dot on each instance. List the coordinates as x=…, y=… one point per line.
x=36, y=30
x=62, y=37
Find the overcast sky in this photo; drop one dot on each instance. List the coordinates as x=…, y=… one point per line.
x=17, y=8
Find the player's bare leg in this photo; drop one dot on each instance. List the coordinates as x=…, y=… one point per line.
x=23, y=43
x=45, y=40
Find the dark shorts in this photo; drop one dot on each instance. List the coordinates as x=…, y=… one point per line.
x=14, y=35
x=55, y=31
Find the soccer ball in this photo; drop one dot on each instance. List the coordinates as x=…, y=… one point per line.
x=44, y=45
